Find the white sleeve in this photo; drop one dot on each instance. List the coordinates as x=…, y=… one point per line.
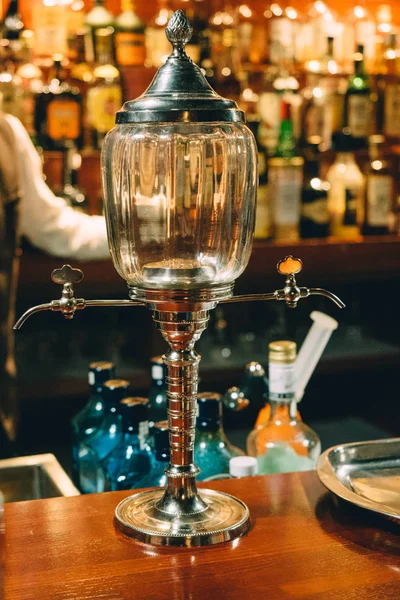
x=46, y=220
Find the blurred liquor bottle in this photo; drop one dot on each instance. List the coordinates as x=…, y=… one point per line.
x=31, y=81
x=376, y=214
x=50, y=26
x=97, y=18
x=346, y=190
x=359, y=108
x=10, y=88
x=158, y=47
x=388, y=83
x=314, y=221
x=359, y=28
x=129, y=37
x=104, y=96
x=75, y=24
x=279, y=29
x=58, y=111
x=12, y=26
x=72, y=162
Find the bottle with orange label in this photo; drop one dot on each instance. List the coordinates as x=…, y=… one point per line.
x=58, y=111
x=129, y=37
x=104, y=97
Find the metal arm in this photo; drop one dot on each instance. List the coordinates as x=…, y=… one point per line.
x=68, y=304
x=291, y=293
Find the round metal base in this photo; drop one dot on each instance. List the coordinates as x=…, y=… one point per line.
x=225, y=519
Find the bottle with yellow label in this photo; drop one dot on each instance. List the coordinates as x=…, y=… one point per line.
x=129, y=37
x=104, y=97
x=58, y=111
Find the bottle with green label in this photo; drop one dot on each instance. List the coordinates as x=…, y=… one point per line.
x=379, y=191
x=359, y=108
x=284, y=444
x=346, y=192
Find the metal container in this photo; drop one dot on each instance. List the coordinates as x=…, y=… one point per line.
x=366, y=474
x=33, y=478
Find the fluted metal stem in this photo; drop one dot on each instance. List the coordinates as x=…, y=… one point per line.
x=181, y=330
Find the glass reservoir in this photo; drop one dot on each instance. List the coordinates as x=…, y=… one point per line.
x=179, y=202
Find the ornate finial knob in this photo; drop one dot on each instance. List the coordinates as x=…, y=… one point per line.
x=179, y=30
x=66, y=275
x=289, y=265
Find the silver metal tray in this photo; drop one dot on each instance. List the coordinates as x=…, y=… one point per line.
x=366, y=474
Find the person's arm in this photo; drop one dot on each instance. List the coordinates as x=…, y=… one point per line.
x=46, y=220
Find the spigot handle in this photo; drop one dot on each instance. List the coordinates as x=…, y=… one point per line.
x=67, y=275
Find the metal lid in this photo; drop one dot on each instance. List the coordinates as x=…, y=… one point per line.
x=179, y=91
x=282, y=351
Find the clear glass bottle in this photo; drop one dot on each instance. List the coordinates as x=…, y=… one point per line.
x=89, y=419
x=104, y=96
x=157, y=476
x=158, y=391
x=98, y=445
x=314, y=221
x=346, y=193
x=58, y=111
x=72, y=162
x=130, y=47
x=359, y=108
x=212, y=449
x=130, y=461
x=376, y=216
x=157, y=45
x=284, y=444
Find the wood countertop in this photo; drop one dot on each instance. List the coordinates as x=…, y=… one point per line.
x=301, y=546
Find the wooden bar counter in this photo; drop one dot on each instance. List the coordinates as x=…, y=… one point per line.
x=301, y=546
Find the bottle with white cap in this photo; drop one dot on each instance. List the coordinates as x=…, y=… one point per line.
x=284, y=444
x=239, y=466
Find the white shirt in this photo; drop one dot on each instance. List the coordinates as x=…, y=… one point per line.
x=46, y=220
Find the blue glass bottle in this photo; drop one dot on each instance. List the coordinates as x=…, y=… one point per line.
x=130, y=461
x=212, y=449
x=89, y=419
x=158, y=392
x=97, y=446
x=157, y=476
